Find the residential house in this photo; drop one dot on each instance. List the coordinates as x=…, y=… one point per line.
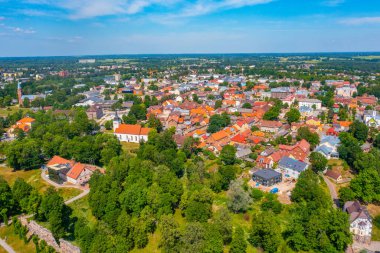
x=346, y=91
x=267, y=177
x=264, y=162
x=24, y=124
x=281, y=92
x=269, y=126
x=299, y=151
x=328, y=146
x=94, y=112
x=371, y=118
x=291, y=167
x=360, y=221
x=62, y=170
x=336, y=176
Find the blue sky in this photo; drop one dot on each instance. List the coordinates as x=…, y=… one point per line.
x=80, y=27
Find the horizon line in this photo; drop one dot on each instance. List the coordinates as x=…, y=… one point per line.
x=173, y=54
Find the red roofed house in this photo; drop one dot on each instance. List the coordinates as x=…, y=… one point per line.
x=129, y=133
x=269, y=126
x=264, y=162
x=62, y=170
x=25, y=124
x=299, y=151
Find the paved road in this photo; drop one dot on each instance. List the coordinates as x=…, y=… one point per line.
x=84, y=193
x=333, y=192
x=6, y=246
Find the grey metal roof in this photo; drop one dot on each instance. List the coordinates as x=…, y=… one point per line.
x=267, y=174
x=292, y=164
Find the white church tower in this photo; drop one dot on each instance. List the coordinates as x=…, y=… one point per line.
x=116, y=121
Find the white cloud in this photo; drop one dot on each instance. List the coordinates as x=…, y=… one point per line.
x=82, y=9
x=18, y=30
x=360, y=21
x=204, y=7
x=21, y=30
x=333, y=3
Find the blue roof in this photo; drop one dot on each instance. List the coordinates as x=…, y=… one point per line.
x=332, y=140
x=324, y=149
x=292, y=164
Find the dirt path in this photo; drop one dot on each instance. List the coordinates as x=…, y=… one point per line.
x=6, y=246
x=373, y=246
x=333, y=192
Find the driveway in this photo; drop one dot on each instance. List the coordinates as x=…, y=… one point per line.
x=333, y=192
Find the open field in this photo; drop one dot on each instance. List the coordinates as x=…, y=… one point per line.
x=15, y=242
x=11, y=109
x=368, y=57
x=129, y=147
x=33, y=177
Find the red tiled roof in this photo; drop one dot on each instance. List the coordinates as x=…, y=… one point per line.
x=76, y=170
x=59, y=160
x=132, y=129
x=239, y=138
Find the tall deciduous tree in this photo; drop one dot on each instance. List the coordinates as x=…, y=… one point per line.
x=293, y=115
x=238, y=199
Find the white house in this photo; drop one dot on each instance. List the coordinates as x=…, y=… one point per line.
x=130, y=133
x=308, y=102
x=371, y=118
x=360, y=221
x=291, y=167
x=328, y=146
x=346, y=91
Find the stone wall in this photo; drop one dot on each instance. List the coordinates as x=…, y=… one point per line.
x=45, y=234
x=67, y=247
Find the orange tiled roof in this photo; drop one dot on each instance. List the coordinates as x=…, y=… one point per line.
x=344, y=123
x=59, y=160
x=219, y=135
x=76, y=170
x=132, y=129
x=26, y=120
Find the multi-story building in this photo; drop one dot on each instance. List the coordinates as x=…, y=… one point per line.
x=360, y=221
x=310, y=103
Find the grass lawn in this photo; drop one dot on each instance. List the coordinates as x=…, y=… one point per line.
x=68, y=193
x=15, y=242
x=2, y=250
x=128, y=147
x=81, y=209
x=374, y=211
x=11, y=109
x=33, y=177
x=375, y=233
